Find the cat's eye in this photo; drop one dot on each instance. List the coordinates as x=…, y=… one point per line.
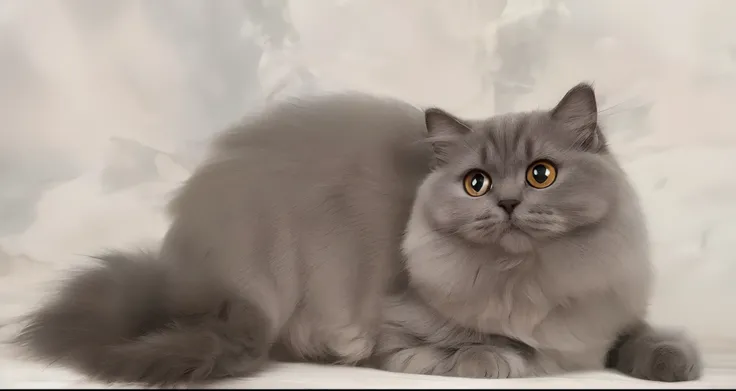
x=541, y=174
x=477, y=183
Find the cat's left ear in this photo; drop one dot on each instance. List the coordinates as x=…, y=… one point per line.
x=577, y=112
x=444, y=130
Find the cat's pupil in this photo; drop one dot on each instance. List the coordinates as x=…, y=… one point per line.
x=540, y=173
x=477, y=182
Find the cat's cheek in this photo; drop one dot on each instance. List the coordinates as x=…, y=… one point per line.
x=439, y=217
x=542, y=225
x=474, y=236
x=588, y=212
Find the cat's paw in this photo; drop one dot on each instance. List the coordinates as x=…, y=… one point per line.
x=350, y=345
x=487, y=361
x=660, y=356
x=674, y=361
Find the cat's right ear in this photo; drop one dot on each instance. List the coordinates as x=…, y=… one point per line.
x=577, y=112
x=444, y=129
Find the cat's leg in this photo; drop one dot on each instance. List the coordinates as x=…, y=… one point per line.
x=309, y=339
x=414, y=339
x=355, y=308
x=497, y=361
x=649, y=353
x=338, y=317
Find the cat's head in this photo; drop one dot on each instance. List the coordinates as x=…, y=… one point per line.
x=521, y=178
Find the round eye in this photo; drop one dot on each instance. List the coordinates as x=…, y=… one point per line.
x=477, y=183
x=541, y=174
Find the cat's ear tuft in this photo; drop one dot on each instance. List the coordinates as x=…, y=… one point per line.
x=443, y=130
x=577, y=112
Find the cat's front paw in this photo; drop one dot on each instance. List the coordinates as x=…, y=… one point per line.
x=660, y=356
x=673, y=362
x=489, y=362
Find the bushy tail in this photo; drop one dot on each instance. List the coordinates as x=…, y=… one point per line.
x=112, y=323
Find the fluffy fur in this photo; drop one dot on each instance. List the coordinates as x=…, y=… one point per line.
x=287, y=244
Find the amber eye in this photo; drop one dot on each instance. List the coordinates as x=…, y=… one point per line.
x=541, y=174
x=477, y=183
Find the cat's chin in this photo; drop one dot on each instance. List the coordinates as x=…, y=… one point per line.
x=507, y=236
x=515, y=242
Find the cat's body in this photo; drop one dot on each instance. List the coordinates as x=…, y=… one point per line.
x=291, y=241
x=311, y=231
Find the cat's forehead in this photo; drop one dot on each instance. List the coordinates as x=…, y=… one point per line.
x=505, y=129
x=515, y=136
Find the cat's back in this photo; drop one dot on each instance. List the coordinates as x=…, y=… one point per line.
x=300, y=151
x=330, y=126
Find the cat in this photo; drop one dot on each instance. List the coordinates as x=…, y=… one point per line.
x=362, y=230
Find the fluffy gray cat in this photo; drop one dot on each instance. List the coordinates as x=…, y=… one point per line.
x=524, y=254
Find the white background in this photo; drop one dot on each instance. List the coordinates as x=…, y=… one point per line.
x=105, y=107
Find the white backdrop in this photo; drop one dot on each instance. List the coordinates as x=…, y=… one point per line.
x=105, y=107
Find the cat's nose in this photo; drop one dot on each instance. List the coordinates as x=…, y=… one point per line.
x=508, y=205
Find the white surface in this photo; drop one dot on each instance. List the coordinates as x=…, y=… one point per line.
x=720, y=374
x=104, y=104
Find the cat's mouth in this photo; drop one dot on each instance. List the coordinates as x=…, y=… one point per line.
x=513, y=228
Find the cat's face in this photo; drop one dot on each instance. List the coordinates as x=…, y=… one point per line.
x=521, y=178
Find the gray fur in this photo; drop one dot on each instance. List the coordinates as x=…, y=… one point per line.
x=287, y=244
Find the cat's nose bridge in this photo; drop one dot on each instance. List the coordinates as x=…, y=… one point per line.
x=508, y=189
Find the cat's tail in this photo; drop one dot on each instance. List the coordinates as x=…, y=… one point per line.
x=113, y=323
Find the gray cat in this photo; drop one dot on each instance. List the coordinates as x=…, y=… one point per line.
x=525, y=254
